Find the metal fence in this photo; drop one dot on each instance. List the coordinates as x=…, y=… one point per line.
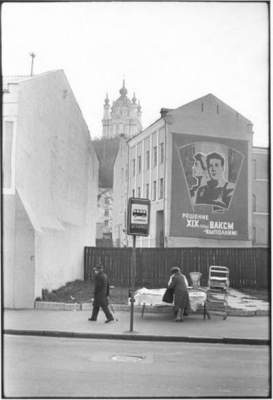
x=249, y=267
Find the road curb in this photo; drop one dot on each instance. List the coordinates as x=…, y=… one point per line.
x=56, y=306
x=136, y=336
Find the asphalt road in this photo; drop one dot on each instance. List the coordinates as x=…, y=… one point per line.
x=52, y=367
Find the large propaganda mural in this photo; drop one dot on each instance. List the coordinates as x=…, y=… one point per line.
x=209, y=188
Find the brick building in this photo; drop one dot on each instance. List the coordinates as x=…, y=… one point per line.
x=195, y=165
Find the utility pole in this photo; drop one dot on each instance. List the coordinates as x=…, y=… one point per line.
x=32, y=55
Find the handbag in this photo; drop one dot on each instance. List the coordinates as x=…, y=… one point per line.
x=168, y=295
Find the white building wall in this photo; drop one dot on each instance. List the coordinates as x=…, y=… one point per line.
x=148, y=139
x=8, y=248
x=120, y=196
x=56, y=175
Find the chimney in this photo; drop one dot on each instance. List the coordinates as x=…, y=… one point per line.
x=164, y=112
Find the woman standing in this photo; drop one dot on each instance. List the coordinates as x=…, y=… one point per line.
x=181, y=296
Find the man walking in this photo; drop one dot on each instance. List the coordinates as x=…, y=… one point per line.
x=101, y=293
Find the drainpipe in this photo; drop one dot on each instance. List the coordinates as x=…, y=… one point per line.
x=165, y=181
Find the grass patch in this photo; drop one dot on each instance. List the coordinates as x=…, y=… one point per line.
x=79, y=291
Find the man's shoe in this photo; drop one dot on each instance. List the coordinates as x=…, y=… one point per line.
x=109, y=320
x=91, y=319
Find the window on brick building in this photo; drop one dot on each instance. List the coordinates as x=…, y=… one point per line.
x=147, y=159
x=138, y=192
x=254, y=169
x=161, y=188
x=147, y=190
x=161, y=153
x=155, y=156
x=254, y=203
x=133, y=167
x=254, y=234
x=154, y=190
x=139, y=164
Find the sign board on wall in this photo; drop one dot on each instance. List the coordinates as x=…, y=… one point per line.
x=138, y=222
x=209, y=188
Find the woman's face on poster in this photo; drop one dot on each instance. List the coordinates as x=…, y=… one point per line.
x=216, y=169
x=197, y=169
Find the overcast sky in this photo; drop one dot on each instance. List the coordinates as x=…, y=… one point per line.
x=168, y=53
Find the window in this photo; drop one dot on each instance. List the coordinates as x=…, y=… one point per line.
x=147, y=190
x=154, y=192
x=254, y=169
x=254, y=203
x=7, y=152
x=161, y=152
x=106, y=222
x=161, y=188
x=133, y=167
x=147, y=159
x=155, y=156
x=106, y=212
x=133, y=193
x=138, y=192
x=139, y=164
x=254, y=239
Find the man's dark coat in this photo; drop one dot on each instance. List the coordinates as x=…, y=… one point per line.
x=101, y=291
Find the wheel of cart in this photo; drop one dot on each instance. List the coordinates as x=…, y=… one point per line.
x=218, y=283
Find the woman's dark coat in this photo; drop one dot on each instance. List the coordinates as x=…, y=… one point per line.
x=181, y=296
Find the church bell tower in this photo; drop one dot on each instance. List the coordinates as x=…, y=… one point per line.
x=124, y=116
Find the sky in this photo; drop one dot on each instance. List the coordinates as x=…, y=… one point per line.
x=169, y=53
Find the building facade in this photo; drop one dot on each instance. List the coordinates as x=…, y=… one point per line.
x=260, y=196
x=123, y=117
x=104, y=219
x=195, y=165
x=50, y=187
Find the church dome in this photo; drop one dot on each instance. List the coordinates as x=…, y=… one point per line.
x=124, y=117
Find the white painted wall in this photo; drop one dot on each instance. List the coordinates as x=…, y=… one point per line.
x=56, y=176
x=8, y=249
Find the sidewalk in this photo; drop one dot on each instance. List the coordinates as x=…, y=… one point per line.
x=154, y=326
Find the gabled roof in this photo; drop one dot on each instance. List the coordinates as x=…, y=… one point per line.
x=209, y=98
x=212, y=98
